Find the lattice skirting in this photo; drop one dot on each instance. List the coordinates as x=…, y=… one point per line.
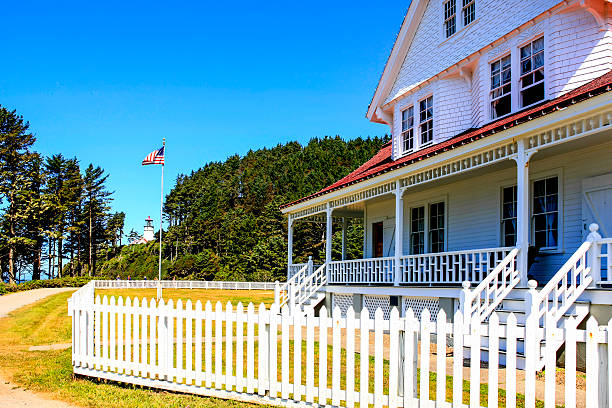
x=374, y=302
x=343, y=301
x=418, y=304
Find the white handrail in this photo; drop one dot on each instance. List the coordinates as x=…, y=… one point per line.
x=482, y=301
x=309, y=286
x=283, y=292
x=565, y=287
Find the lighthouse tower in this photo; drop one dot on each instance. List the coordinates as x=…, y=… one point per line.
x=148, y=230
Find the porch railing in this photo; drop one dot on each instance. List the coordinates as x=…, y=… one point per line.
x=373, y=270
x=451, y=267
x=603, y=261
x=295, y=268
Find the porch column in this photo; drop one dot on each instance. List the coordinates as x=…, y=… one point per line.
x=328, y=236
x=344, y=226
x=289, y=244
x=522, y=209
x=399, y=232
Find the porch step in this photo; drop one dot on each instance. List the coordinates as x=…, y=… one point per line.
x=313, y=300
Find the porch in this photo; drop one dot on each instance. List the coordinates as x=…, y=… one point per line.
x=441, y=226
x=443, y=268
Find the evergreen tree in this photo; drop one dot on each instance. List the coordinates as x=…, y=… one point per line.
x=16, y=182
x=96, y=200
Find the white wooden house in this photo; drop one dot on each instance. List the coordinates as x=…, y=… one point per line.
x=500, y=161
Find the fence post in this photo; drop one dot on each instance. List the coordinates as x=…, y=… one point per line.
x=310, y=265
x=465, y=303
x=277, y=293
x=291, y=297
x=532, y=341
x=594, y=254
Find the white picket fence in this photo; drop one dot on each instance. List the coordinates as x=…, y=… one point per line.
x=182, y=284
x=272, y=357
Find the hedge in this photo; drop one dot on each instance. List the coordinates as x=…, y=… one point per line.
x=68, y=281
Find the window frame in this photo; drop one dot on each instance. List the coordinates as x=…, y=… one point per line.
x=404, y=131
x=560, y=194
x=430, y=230
x=510, y=82
x=411, y=232
x=470, y=4
x=533, y=177
x=448, y=18
x=502, y=236
x=426, y=202
x=429, y=120
x=545, y=69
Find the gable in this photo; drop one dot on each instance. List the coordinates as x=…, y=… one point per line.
x=421, y=51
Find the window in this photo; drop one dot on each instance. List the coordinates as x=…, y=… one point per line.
x=450, y=17
x=501, y=99
x=436, y=227
x=468, y=11
x=532, y=72
x=417, y=230
x=546, y=212
x=508, y=217
x=407, y=129
x=426, y=120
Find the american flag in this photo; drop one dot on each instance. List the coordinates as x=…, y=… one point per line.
x=155, y=157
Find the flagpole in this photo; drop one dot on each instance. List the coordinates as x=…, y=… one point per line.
x=161, y=224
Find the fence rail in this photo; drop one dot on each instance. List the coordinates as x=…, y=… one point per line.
x=267, y=356
x=181, y=284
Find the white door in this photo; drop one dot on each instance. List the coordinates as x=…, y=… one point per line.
x=597, y=204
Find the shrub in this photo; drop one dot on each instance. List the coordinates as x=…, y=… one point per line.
x=69, y=281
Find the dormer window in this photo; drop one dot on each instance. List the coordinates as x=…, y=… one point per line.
x=468, y=11
x=407, y=129
x=426, y=120
x=450, y=17
x=532, y=72
x=501, y=86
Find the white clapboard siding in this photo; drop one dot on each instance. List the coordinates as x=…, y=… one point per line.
x=211, y=351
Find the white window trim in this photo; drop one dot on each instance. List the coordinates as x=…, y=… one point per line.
x=500, y=213
x=417, y=115
x=558, y=172
x=444, y=19
x=560, y=209
x=463, y=10
x=512, y=86
x=401, y=131
x=404, y=104
x=516, y=71
x=408, y=206
x=459, y=26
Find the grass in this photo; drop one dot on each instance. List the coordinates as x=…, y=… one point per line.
x=46, y=322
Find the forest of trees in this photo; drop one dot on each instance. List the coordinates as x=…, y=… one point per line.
x=55, y=215
x=224, y=218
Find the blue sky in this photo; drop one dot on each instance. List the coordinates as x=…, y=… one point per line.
x=105, y=81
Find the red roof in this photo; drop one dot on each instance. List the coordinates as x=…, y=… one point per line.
x=382, y=162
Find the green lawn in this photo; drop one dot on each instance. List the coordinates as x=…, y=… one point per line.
x=46, y=322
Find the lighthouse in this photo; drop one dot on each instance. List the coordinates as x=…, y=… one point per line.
x=148, y=230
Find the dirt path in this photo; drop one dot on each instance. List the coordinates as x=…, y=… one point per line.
x=11, y=395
